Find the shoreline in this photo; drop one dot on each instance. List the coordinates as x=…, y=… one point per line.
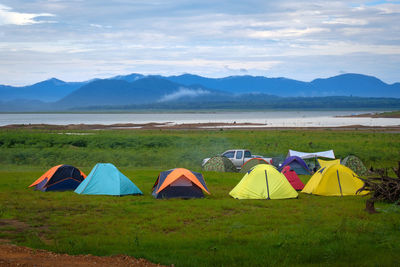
x=189, y=126
x=389, y=115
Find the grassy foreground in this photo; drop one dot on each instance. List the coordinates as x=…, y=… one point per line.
x=214, y=231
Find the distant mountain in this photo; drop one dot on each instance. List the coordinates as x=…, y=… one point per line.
x=142, y=91
x=341, y=85
x=355, y=85
x=129, y=78
x=194, y=91
x=49, y=90
x=247, y=84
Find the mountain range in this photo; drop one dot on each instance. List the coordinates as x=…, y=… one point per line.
x=49, y=90
x=136, y=90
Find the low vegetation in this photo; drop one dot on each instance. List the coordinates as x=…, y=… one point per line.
x=389, y=114
x=214, y=231
x=166, y=148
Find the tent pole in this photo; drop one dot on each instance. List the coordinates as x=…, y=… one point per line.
x=315, y=164
x=266, y=179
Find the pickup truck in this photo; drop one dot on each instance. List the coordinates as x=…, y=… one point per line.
x=238, y=157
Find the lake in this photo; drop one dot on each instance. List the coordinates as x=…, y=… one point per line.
x=266, y=118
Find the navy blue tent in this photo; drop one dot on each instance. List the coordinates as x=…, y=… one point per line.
x=297, y=164
x=179, y=183
x=59, y=178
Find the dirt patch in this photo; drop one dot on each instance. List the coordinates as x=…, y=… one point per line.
x=11, y=255
x=17, y=226
x=84, y=126
x=12, y=227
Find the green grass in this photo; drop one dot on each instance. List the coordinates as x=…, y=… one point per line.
x=164, y=149
x=215, y=231
x=389, y=114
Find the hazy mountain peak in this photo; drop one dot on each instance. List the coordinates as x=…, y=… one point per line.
x=129, y=78
x=53, y=81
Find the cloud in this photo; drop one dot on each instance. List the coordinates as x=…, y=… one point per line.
x=100, y=26
x=184, y=92
x=347, y=21
x=212, y=38
x=17, y=18
x=285, y=33
x=241, y=70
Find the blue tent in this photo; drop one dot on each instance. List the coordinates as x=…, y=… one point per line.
x=297, y=164
x=106, y=179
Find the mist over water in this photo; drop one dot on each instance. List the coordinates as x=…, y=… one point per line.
x=265, y=118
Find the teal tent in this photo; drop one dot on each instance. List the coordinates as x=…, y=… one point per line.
x=106, y=179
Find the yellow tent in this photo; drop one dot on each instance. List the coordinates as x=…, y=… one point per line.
x=334, y=180
x=328, y=163
x=263, y=182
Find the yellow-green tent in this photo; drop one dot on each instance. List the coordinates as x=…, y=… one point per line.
x=328, y=163
x=263, y=182
x=334, y=180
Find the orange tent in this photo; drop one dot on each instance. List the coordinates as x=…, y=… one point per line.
x=179, y=183
x=60, y=177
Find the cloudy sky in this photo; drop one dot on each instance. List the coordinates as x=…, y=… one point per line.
x=77, y=40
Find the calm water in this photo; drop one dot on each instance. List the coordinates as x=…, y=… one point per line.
x=268, y=118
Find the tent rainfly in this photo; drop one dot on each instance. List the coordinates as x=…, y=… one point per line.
x=219, y=164
x=304, y=155
x=59, y=178
x=251, y=163
x=179, y=183
x=328, y=163
x=334, y=180
x=292, y=177
x=263, y=181
x=106, y=179
x=297, y=164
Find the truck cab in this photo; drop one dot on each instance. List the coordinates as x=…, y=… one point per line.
x=238, y=156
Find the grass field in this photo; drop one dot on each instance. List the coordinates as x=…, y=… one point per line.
x=167, y=148
x=215, y=231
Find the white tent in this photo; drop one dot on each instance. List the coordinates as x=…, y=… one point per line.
x=304, y=155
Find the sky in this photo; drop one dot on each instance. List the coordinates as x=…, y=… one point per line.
x=78, y=40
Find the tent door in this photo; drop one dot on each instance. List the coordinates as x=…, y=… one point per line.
x=181, y=181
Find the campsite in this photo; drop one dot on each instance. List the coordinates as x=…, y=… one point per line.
x=199, y=133
x=213, y=231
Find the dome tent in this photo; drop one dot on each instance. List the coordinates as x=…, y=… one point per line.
x=106, y=179
x=292, y=177
x=219, y=164
x=355, y=164
x=59, y=178
x=179, y=183
x=327, y=163
x=251, y=163
x=334, y=180
x=263, y=182
x=297, y=164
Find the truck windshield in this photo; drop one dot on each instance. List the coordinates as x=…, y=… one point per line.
x=247, y=154
x=239, y=154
